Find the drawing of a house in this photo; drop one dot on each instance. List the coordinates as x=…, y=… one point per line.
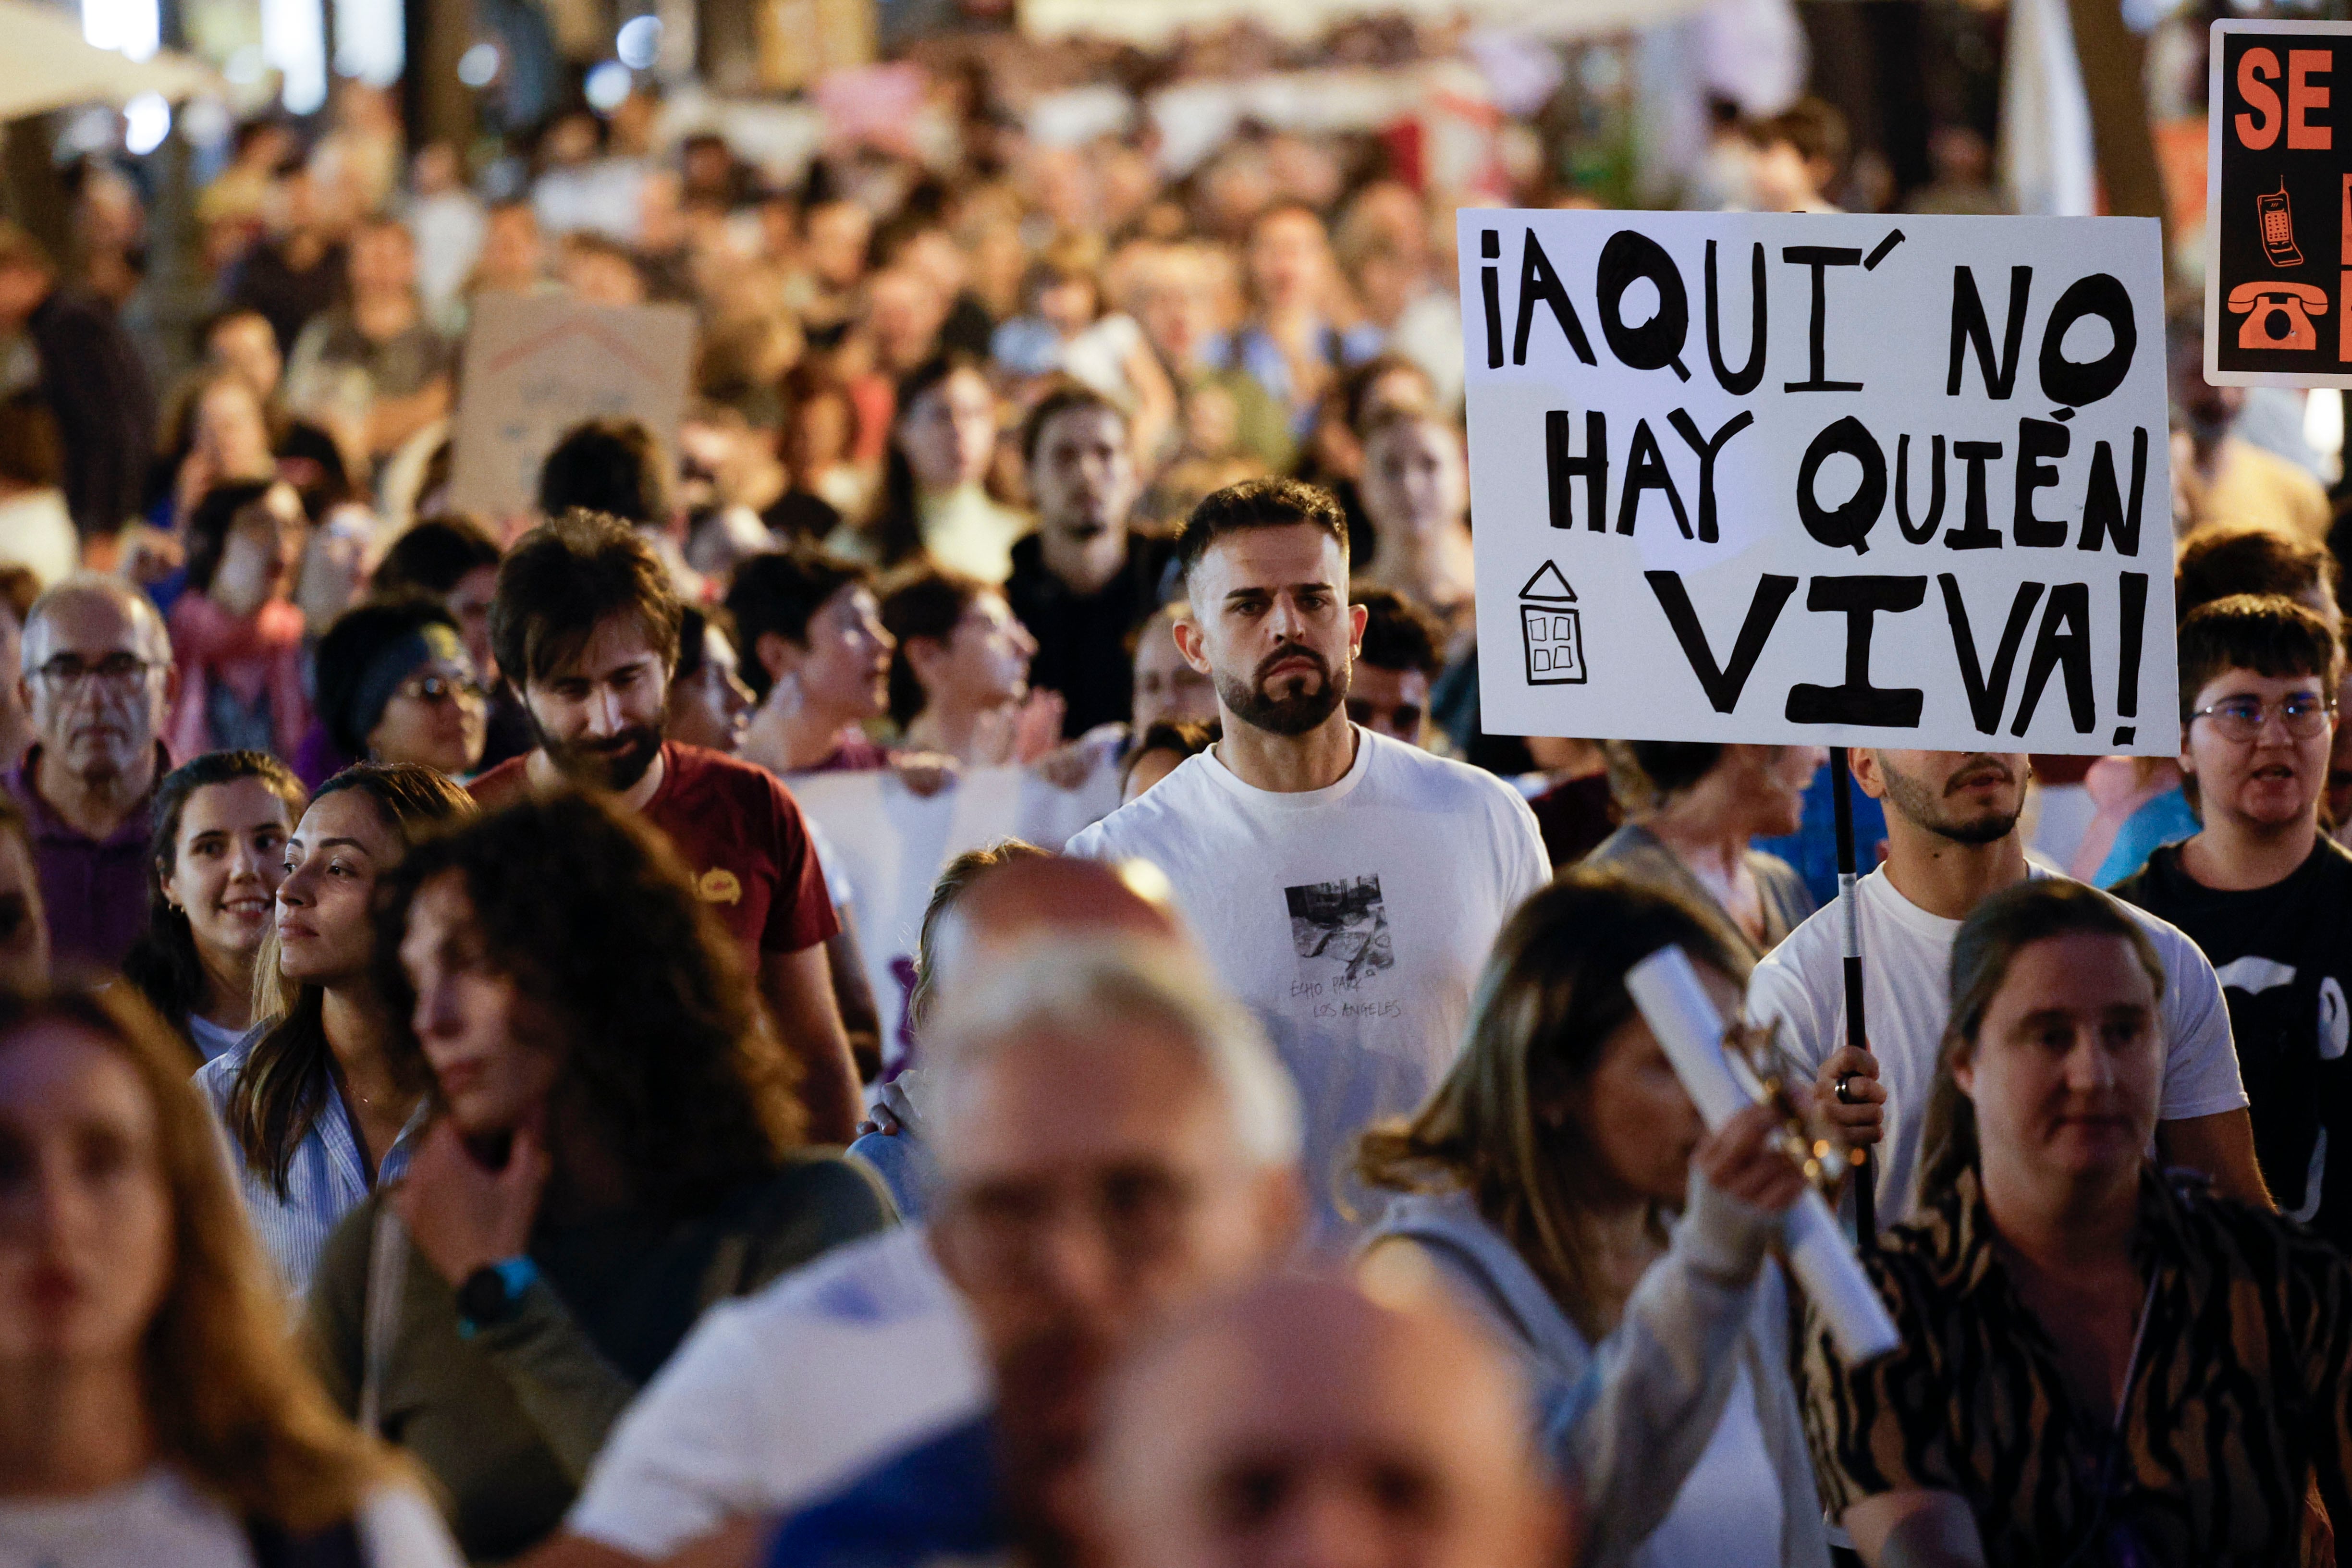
x=1548, y=622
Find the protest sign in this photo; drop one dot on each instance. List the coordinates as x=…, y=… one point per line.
x=1821, y=479
x=536, y=367
x=2278, y=205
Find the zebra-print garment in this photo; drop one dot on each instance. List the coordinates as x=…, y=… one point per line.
x=2238, y=1397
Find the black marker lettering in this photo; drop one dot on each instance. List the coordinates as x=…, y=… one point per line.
x=2063, y=381
x=1658, y=342
x=1707, y=447
x=1970, y=328
x=1988, y=694
x=1723, y=685
x=1857, y=702
x=2133, y=592
x=1927, y=529
x=2064, y=639
x=1974, y=532
x=1564, y=470
x=1820, y=257
x=1741, y=381
x=2104, y=512
x=1539, y=282
x=1848, y=525
x=1645, y=470
x=1490, y=245
x=2037, y=441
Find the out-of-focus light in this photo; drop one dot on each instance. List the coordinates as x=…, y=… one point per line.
x=133, y=26
x=294, y=39
x=371, y=40
x=206, y=122
x=478, y=67
x=245, y=65
x=639, y=43
x=607, y=87
x=146, y=121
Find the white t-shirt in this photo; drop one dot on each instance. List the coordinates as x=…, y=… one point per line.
x=159, y=1518
x=778, y=1398
x=1727, y=1514
x=1353, y=920
x=1906, y=956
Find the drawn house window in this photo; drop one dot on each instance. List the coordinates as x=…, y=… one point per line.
x=1551, y=630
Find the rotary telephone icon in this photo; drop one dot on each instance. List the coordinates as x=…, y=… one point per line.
x=2278, y=315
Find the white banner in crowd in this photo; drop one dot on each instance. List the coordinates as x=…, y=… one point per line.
x=1822, y=479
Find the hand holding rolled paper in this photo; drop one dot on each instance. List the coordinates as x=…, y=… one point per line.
x=1676, y=1007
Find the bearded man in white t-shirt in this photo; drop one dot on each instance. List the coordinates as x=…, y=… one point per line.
x=1347, y=886
x=1951, y=842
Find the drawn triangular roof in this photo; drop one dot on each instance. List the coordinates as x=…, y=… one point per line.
x=1548, y=585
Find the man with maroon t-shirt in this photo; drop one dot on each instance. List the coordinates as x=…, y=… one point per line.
x=585, y=622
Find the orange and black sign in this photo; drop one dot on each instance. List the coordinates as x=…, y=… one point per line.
x=2278, y=205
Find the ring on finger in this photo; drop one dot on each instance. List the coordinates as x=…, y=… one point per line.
x=1839, y=1087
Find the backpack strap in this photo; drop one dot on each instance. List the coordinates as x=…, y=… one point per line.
x=388, y=1282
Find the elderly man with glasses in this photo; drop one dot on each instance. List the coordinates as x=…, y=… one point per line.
x=97, y=682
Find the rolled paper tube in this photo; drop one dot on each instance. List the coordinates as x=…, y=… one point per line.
x=1679, y=1013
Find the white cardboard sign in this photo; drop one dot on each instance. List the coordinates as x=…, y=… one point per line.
x=1822, y=479
x=536, y=367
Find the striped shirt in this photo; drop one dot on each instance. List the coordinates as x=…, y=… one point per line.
x=325, y=1179
x=2237, y=1400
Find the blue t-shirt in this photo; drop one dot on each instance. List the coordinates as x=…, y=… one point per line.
x=2162, y=819
x=932, y=1503
x=1813, y=848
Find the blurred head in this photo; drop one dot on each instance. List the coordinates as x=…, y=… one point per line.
x=817, y=618
x=1417, y=479
x=1563, y=1100
x=1758, y=789
x=600, y=271
x=958, y=646
x=610, y=465
x=1303, y=1423
x=382, y=258
x=2225, y=558
x=245, y=543
x=451, y=558
x=529, y=956
x=514, y=256
x=709, y=703
x=586, y=623
x=123, y=1249
x=1963, y=798
x=1388, y=691
x=834, y=243
x=1081, y=466
x=1265, y=564
x=820, y=425
x=2205, y=410
x=2053, y=1056
x=904, y=312
x=26, y=275
x=2258, y=682
x=1159, y=750
x=230, y=425
x=215, y=856
x=1167, y=689
x=946, y=428
x=1289, y=259
x=1066, y=1235
x=244, y=342
x=396, y=685
x=98, y=680
x=1799, y=153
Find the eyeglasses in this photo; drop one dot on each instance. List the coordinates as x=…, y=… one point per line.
x=1007, y=1233
x=119, y=672
x=2305, y=714
x=439, y=689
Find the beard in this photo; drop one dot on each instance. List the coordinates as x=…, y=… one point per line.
x=615, y=763
x=1303, y=704
x=1920, y=802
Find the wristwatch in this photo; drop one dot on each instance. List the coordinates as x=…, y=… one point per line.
x=492, y=1294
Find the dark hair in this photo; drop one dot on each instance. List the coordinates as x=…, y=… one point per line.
x=1257, y=503
x=285, y=1077
x=1660, y=768
x=897, y=527
x=566, y=577
x=2269, y=634
x=954, y=880
x=162, y=965
x=612, y=466
x=348, y=650
x=1816, y=129
x=1175, y=735
x=926, y=602
x=1996, y=932
x=1354, y=390
x=809, y=381
x=208, y=529
x=30, y=454
x=1550, y=997
x=593, y=916
x=1067, y=395
x=434, y=556
x=2227, y=558
x=780, y=592
x=1398, y=633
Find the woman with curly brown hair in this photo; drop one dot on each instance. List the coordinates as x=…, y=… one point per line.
x=616, y=1144
x=151, y=1408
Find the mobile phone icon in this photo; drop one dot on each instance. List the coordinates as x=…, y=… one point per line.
x=2278, y=227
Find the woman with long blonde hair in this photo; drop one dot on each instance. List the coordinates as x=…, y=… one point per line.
x=1561, y=1182
x=153, y=1408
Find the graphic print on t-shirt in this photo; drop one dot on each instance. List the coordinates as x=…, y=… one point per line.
x=1340, y=933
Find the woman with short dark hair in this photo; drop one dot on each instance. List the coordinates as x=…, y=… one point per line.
x=2101, y=1363
x=615, y=1142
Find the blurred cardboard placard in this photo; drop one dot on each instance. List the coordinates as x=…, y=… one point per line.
x=534, y=368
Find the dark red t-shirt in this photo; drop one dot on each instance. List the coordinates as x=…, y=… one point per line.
x=740, y=832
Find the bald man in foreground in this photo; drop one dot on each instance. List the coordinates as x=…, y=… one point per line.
x=1303, y=1424
x=98, y=682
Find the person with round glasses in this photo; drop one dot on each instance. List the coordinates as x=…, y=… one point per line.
x=2262, y=890
x=396, y=685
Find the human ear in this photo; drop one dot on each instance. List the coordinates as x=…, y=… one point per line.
x=1862, y=762
x=1190, y=643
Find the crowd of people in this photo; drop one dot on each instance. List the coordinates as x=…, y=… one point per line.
x=445, y=1111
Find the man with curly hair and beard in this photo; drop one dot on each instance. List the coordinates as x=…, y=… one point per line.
x=1347, y=886
x=586, y=626
x=1952, y=841
x=614, y=1145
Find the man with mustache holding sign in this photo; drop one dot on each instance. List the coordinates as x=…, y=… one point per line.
x=1952, y=841
x=1347, y=886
